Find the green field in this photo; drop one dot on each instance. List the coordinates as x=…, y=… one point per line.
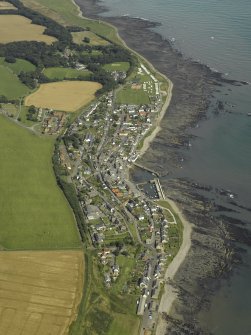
x=62, y=73
x=10, y=109
x=126, y=265
x=119, y=66
x=124, y=325
x=10, y=85
x=18, y=66
x=94, y=39
x=34, y=212
x=92, y=53
x=132, y=97
x=66, y=13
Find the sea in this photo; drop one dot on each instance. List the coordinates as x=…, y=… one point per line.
x=216, y=33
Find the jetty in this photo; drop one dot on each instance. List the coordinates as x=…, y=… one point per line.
x=147, y=169
x=159, y=188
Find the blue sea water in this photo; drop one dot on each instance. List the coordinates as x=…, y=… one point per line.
x=217, y=33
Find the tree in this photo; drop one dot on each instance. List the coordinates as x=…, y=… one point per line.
x=10, y=59
x=32, y=109
x=86, y=40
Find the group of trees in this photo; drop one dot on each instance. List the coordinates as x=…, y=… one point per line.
x=52, y=27
x=38, y=53
x=108, y=54
x=4, y=99
x=69, y=191
x=73, y=139
x=42, y=55
x=32, y=113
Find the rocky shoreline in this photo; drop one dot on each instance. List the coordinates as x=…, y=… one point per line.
x=213, y=253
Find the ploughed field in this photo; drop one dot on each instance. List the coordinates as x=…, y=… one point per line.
x=15, y=28
x=39, y=291
x=66, y=96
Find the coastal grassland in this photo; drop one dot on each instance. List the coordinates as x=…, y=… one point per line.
x=4, y=5
x=34, y=211
x=18, y=66
x=79, y=36
x=40, y=291
x=15, y=28
x=102, y=312
x=175, y=231
x=118, y=66
x=66, y=96
x=167, y=205
x=66, y=13
x=61, y=73
x=10, y=85
x=127, y=95
x=124, y=325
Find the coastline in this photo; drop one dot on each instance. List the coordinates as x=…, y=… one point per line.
x=157, y=127
x=169, y=295
x=212, y=254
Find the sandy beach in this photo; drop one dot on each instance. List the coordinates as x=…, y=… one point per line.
x=170, y=293
x=156, y=126
x=191, y=95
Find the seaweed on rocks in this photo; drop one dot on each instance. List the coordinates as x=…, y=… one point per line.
x=214, y=251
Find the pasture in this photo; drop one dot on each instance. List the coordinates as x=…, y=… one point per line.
x=94, y=39
x=18, y=66
x=10, y=109
x=10, y=85
x=124, y=324
x=4, y=5
x=40, y=291
x=66, y=96
x=61, y=73
x=119, y=66
x=15, y=28
x=130, y=96
x=66, y=13
x=34, y=211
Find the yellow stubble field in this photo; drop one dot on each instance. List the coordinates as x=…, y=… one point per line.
x=14, y=28
x=6, y=5
x=39, y=291
x=66, y=96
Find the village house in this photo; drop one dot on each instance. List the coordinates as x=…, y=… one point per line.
x=115, y=270
x=93, y=212
x=100, y=226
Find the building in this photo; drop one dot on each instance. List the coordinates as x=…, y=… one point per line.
x=93, y=212
x=141, y=305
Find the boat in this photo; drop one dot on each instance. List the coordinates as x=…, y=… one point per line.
x=249, y=114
